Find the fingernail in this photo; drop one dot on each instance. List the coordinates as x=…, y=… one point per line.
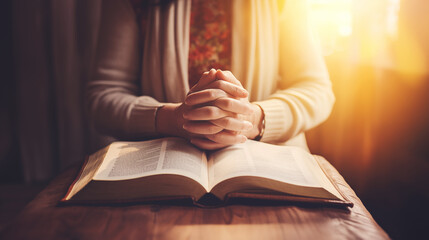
x=184, y=126
x=243, y=138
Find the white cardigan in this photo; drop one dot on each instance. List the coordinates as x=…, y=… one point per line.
x=273, y=55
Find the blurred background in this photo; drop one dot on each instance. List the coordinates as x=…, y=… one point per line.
x=377, y=52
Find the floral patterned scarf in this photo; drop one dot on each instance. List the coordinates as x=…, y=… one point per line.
x=210, y=35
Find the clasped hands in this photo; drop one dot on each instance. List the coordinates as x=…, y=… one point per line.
x=216, y=113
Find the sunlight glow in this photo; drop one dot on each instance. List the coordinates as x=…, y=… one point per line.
x=331, y=21
x=336, y=22
x=411, y=48
x=372, y=33
x=392, y=17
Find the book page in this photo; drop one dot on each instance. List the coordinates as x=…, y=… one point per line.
x=261, y=160
x=128, y=160
x=91, y=166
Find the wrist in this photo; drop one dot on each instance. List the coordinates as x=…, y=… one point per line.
x=168, y=120
x=258, y=123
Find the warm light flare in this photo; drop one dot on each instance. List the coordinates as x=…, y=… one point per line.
x=331, y=21
x=411, y=48
x=365, y=28
x=411, y=58
x=371, y=33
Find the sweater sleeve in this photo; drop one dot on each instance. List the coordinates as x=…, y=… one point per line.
x=113, y=104
x=305, y=97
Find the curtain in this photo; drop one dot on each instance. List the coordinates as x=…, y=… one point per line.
x=53, y=50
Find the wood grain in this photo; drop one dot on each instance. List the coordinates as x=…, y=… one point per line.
x=44, y=219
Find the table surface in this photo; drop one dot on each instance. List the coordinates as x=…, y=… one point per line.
x=43, y=218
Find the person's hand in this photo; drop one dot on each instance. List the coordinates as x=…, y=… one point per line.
x=220, y=113
x=173, y=119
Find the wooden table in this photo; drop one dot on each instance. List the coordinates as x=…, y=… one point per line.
x=44, y=219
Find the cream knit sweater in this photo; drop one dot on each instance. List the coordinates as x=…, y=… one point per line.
x=273, y=55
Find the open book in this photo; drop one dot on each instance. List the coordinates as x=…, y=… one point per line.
x=170, y=168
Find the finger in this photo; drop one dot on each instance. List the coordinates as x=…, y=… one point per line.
x=230, y=88
x=215, y=90
x=232, y=124
x=205, y=79
x=227, y=137
x=206, y=144
x=227, y=76
x=204, y=96
x=233, y=86
x=234, y=105
x=206, y=113
x=202, y=127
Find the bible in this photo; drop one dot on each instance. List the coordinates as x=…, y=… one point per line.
x=172, y=168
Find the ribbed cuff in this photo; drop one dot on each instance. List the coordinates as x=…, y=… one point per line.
x=278, y=120
x=142, y=117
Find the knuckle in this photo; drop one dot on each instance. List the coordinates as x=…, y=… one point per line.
x=212, y=112
x=225, y=103
x=213, y=129
x=218, y=92
x=217, y=84
x=211, y=93
x=229, y=104
x=218, y=102
x=234, y=115
x=234, y=133
x=228, y=122
x=237, y=90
